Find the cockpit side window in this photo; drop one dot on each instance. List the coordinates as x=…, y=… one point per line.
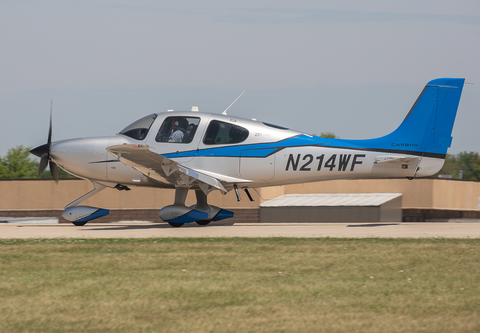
x=139, y=129
x=219, y=132
x=178, y=129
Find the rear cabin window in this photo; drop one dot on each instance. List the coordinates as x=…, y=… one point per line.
x=219, y=132
x=178, y=129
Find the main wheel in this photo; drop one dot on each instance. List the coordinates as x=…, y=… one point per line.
x=203, y=222
x=79, y=224
x=176, y=224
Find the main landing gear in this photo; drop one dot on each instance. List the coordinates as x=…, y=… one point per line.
x=202, y=213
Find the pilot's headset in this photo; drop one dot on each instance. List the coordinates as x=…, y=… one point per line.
x=176, y=122
x=181, y=123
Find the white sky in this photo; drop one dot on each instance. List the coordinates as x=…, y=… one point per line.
x=349, y=67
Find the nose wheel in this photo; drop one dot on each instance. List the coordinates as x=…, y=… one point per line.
x=79, y=224
x=203, y=222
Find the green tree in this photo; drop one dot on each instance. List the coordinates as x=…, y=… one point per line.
x=469, y=163
x=329, y=135
x=466, y=163
x=449, y=166
x=18, y=164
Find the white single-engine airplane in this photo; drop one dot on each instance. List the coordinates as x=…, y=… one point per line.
x=206, y=152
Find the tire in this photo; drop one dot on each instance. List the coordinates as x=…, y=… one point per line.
x=79, y=224
x=203, y=222
x=176, y=224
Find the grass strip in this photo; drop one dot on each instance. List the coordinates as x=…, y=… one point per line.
x=239, y=285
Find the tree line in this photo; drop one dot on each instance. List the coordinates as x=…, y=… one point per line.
x=18, y=163
x=464, y=165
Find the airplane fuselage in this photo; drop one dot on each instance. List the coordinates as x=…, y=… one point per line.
x=268, y=156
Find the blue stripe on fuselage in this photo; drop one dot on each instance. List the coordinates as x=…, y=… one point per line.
x=266, y=149
x=250, y=150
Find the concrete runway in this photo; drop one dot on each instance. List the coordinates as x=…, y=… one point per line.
x=160, y=230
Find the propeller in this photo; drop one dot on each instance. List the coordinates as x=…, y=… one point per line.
x=44, y=152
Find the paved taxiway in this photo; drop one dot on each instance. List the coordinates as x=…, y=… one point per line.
x=159, y=230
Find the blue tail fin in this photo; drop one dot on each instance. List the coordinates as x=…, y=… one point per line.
x=427, y=128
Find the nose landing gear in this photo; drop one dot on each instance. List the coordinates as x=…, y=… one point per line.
x=80, y=215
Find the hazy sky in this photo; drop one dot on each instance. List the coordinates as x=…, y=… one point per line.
x=349, y=67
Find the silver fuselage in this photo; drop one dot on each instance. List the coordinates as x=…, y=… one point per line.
x=265, y=158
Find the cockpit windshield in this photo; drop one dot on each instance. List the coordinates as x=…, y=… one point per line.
x=139, y=129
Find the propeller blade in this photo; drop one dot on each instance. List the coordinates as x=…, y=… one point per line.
x=53, y=170
x=44, y=151
x=43, y=163
x=49, y=141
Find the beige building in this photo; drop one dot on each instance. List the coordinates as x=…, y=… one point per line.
x=422, y=199
x=333, y=207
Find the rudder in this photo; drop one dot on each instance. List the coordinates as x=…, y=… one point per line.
x=428, y=126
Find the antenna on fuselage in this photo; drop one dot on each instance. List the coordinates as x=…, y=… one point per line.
x=225, y=112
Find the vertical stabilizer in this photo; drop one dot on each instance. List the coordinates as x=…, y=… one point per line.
x=427, y=128
x=429, y=124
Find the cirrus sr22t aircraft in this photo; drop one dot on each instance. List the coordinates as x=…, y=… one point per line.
x=208, y=152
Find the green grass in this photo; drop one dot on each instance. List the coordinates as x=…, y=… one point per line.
x=239, y=285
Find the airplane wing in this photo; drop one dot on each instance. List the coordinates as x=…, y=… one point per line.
x=163, y=169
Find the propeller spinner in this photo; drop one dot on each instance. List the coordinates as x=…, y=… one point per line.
x=44, y=152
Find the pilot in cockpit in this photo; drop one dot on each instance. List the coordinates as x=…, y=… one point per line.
x=178, y=130
x=172, y=130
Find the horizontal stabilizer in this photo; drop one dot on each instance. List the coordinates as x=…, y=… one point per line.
x=396, y=159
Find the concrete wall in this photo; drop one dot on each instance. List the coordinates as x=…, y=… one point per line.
x=440, y=197
x=46, y=195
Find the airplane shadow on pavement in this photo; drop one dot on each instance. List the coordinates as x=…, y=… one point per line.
x=155, y=226
x=372, y=225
